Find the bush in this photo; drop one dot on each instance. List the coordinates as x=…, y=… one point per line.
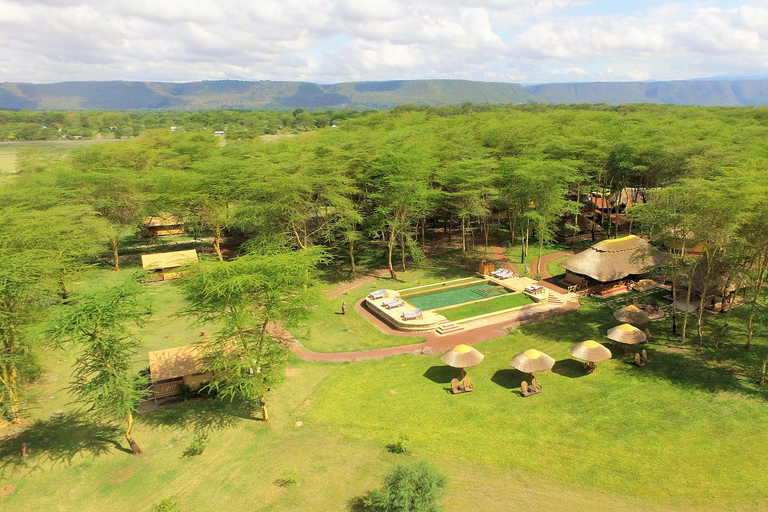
x=415, y=487
x=185, y=392
x=288, y=479
x=167, y=505
x=198, y=444
x=399, y=446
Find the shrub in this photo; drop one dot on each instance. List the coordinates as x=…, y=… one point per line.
x=167, y=505
x=399, y=446
x=415, y=487
x=185, y=392
x=198, y=444
x=288, y=479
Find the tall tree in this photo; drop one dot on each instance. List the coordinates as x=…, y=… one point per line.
x=104, y=374
x=248, y=298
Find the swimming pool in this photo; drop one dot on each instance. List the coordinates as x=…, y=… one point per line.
x=441, y=298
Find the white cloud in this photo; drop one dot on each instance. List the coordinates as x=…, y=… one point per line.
x=337, y=40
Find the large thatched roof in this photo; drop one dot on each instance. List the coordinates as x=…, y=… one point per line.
x=611, y=260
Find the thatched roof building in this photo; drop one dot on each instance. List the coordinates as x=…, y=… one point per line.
x=612, y=260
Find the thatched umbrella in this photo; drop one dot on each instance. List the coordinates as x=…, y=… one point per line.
x=632, y=315
x=462, y=356
x=626, y=334
x=532, y=361
x=591, y=352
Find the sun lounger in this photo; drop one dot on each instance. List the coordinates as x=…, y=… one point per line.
x=394, y=303
x=525, y=390
x=464, y=386
x=390, y=301
x=380, y=294
x=412, y=315
x=504, y=274
x=494, y=272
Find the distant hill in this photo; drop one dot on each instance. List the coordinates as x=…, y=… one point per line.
x=724, y=93
x=209, y=95
x=236, y=94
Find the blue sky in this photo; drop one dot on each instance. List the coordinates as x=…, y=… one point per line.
x=331, y=41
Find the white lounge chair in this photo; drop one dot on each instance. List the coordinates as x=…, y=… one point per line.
x=395, y=303
x=504, y=274
x=386, y=303
x=412, y=315
x=379, y=294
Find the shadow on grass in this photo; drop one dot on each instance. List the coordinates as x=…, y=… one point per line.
x=200, y=415
x=509, y=378
x=442, y=374
x=693, y=371
x=58, y=440
x=570, y=368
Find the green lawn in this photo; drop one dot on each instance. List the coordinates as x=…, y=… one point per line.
x=500, y=303
x=684, y=433
x=554, y=270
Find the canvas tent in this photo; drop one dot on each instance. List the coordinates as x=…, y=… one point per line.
x=162, y=225
x=164, y=263
x=611, y=261
x=171, y=368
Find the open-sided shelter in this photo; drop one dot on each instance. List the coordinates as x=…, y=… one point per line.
x=165, y=263
x=163, y=225
x=607, y=265
x=171, y=368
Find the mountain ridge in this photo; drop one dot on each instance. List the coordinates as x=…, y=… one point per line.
x=288, y=95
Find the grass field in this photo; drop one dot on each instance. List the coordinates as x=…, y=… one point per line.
x=684, y=433
x=501, y=303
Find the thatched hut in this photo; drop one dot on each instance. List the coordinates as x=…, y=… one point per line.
x=165, y=263
x=171, y=368
x=607, y=266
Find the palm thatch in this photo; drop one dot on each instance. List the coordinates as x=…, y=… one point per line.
x=532, y=361
x=611, y=260
x=462, y=356
x=627, y=334
x=632, y=315
x=591, y=351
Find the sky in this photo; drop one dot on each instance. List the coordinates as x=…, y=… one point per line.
x=332, y=41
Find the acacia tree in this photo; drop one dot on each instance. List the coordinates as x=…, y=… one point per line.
x=249, y=298
x=104, y=375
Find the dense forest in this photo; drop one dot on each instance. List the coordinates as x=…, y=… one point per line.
x=338, y=181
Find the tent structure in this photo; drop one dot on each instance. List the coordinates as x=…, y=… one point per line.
x=607, y=263
x=627, y=335
x=171, y=368
x=162, y=225
x=164, y=263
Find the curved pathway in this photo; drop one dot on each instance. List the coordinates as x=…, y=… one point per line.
x=480, y=330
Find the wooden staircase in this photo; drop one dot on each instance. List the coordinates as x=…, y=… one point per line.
x=447, y=327
x=554, y=300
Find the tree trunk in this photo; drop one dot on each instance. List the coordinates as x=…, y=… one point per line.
x=402, y=251
x=762, y=372
x=114, y=241
x=391, y=247
x=758, y=288
x=352, y=256
x=263, y=403
x=674, y=309
x=538, y=260
x=215, y=242
x=463, y=235
x=134, y=447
